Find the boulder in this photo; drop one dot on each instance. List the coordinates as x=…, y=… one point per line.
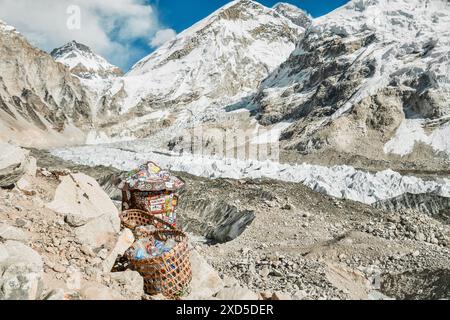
x=206, y=282
x=21, y=270
x=124, y=241
x=97, y=291
x=236, y=293
x=25, y=186
x=130, y=282
x=87, y=208
x=14, y=163
x=56, y=294
x=278, y=295
x=8, y=232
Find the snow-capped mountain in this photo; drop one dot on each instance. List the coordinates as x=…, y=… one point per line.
x=296, y=15
x=215, y=62
x=95, y=72
x=370, y=78
x=84, y=63
x=41, y=102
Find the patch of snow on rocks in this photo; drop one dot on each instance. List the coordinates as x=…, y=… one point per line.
x=411, y=131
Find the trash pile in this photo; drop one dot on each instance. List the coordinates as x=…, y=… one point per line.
x=153, y=190
x=147, y=248
x=160, y=253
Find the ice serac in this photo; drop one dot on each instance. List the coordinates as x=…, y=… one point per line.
x=216, y=62
x=360, y=76
x=83, y=62
x=41, y=103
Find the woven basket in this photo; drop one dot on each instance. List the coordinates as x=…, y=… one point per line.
x=170, y=273
x=134, y=218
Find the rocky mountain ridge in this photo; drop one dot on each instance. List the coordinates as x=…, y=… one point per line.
x=41, y=102
x=84, y=63
x=371, y=73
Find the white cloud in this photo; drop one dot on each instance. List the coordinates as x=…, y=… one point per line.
x=162, y=36
x=109, y=27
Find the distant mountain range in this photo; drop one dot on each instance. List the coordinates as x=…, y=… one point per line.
x=369, y=79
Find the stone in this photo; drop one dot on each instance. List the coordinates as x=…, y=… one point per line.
x=278, y=295
x=81, y=196
x=300, y=295
x=25, y=186
x=97, y=291
x=56, y=294
x=264, y=272
x=87, y=251
x=236, y=293
x=229, y=281
x=45, y=172
x=124, y=241
x=76, y=221
x=59, y=268
x=206, y=282
x=158, y=296
x=131, y=282
x=21, y=271
x=420, y=236
x=103, y=254
x=276, y=273
x=8, y=232
x=306, y=214
x=15, y=162
x=265, y=295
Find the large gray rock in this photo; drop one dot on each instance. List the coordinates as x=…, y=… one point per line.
x=21, y=271
x=97, y=291
x=237, y=293
x=124, y=241
x=206, y=282
x=87, y=208
x=8, y=232
x=130, y=282
x=14, y=163
x=214, y=218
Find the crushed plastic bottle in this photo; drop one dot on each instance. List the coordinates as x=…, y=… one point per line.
x=144, y=248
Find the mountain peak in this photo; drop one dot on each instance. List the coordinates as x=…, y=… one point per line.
x=83, y=62
x=200, y=64
x=293, y=13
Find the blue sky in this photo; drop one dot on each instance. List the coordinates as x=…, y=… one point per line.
x=122, y=31
x=181, y=14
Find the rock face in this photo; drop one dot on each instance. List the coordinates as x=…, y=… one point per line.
x=21, y=271
x=83, y=62
x=88, y=208
x=368, y=78
x=41, y=103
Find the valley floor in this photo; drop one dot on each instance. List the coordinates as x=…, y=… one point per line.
x=281, y=237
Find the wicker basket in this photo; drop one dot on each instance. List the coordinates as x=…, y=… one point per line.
x=170, y=273
x=134, y=218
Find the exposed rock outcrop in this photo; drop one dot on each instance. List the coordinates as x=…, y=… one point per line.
x=365, y=80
